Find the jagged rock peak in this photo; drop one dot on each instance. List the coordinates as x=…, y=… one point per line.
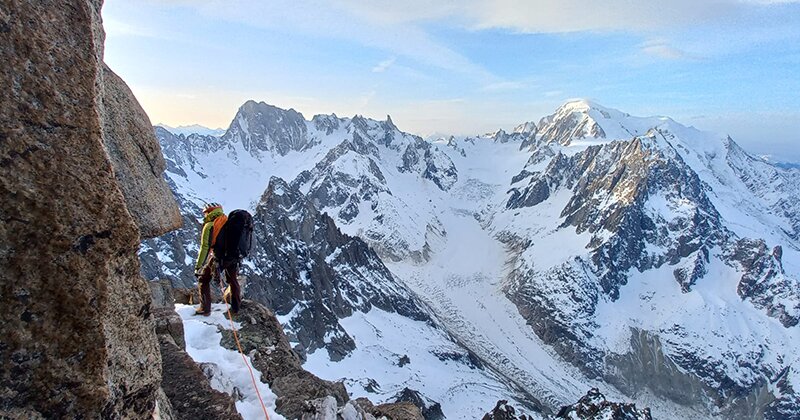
x=389, y=124
x=280, y=191
x=504, y=411
x=326, y=123
x=261, y=127
x=528, y=127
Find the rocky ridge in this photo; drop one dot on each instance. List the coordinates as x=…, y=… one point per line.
x=312, y=274
x=300, y=394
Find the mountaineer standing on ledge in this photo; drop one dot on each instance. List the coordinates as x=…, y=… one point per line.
x=224, y=242
x=206, y=266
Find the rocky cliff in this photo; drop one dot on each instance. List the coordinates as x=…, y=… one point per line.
x=80, y=177
x=313, y=274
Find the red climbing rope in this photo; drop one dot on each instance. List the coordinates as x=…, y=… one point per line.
x=239, y=345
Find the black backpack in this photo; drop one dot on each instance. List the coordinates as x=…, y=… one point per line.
x=235, y=238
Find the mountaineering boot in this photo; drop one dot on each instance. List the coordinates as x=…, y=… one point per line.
x=199, y=311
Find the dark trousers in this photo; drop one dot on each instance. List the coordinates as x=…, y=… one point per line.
x=209, y=272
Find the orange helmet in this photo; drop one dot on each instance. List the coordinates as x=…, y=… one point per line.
x=209, y=207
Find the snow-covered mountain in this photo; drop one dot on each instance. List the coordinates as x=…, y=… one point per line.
x=592, y=249
x=187, y=130
x=676, y=265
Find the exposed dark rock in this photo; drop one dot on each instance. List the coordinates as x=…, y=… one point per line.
x=787, y=404
x=468, y=358
x=434, y=165
x=504, y=411
x=764, y=281
x=594, y=405
x=188, y=389
x=591, y=406
x=305, y=265
x=610, y=186
x=262, y=127
x=646, y=366
x=431, y=410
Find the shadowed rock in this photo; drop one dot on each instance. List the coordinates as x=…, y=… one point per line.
x=188, y=388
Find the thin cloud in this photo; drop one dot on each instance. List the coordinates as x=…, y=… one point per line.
x=384, y=65
x=346, y=21
x=365, y=99
x=557, y=16
x=662, y=49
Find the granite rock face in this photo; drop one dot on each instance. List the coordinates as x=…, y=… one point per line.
x=76, y=328
x=136, y=157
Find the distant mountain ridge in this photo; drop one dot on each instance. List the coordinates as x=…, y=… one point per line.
x=193, y=129
x=611, y=247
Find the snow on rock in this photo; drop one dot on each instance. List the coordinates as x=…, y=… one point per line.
x=594, y=405
x=312, y=274
x=202, y=335
x=650, y=217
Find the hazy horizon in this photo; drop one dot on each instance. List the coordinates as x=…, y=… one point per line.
x=728, y=66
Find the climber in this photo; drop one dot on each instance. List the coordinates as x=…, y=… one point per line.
x=206, y=266
x=233, y=245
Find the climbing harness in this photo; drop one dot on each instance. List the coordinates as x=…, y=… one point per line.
x=221, y=273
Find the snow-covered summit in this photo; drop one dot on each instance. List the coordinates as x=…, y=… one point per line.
x=586, y=121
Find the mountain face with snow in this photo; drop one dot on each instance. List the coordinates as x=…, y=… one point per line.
x=667, y=204
x=591, y=249
x=312, y=274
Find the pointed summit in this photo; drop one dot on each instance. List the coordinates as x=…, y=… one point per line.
x=261, y=127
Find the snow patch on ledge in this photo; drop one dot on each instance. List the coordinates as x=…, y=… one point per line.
x=203, y=345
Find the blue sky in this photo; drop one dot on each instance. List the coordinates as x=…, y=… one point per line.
x=469, y=66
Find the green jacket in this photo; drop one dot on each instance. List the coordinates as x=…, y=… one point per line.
x=206, y=235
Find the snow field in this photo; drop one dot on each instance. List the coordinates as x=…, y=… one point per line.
x=382, y=338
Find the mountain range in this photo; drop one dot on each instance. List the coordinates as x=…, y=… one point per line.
x=193, y=129
x=590, y=249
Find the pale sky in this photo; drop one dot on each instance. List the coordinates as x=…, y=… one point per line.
x=470, y=66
